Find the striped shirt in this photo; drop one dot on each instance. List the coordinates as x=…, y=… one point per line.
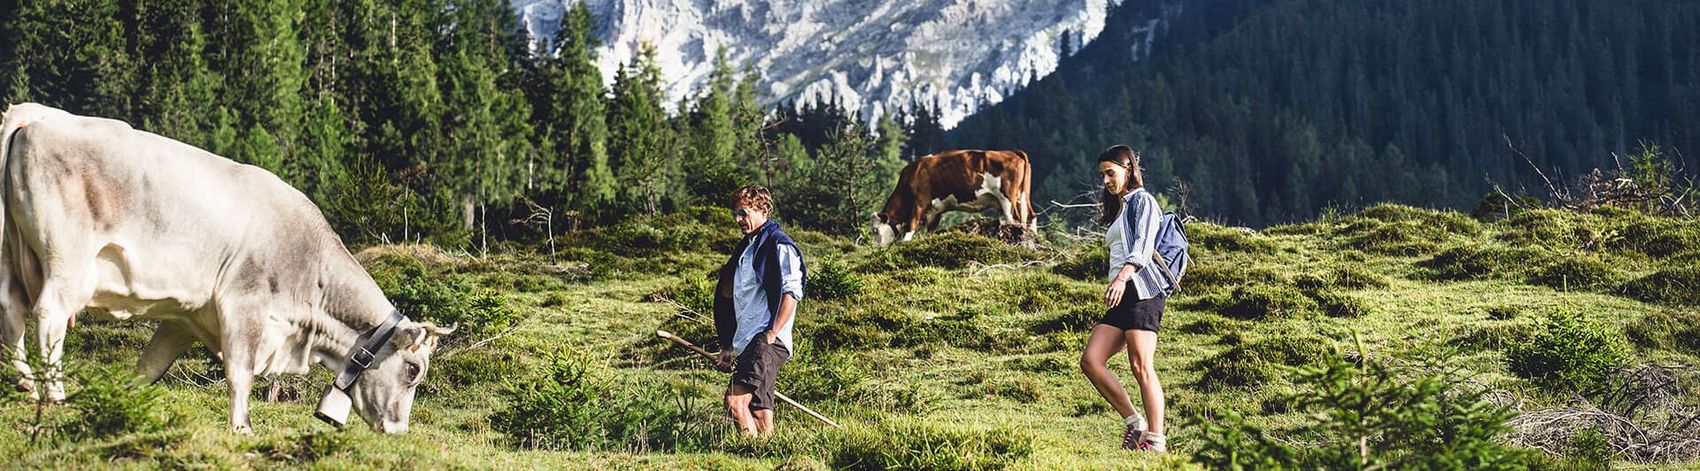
x=1134, y=247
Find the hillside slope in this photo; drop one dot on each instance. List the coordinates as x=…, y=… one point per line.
x=950, y=352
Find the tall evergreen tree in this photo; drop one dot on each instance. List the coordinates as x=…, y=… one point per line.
x=640, y=136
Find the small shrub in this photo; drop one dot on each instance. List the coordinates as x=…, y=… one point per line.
x=1267, y=301
x=1575, y=273
x=831, y=280
x=1474, y=262
x=1567, y=350
x=1677, y=286
x=1256, y=362
x=918, y=445
x=574, y=405
x=447, y=299
x=1669, y=330
x=113, y=401
x=693, y=293
x=1409, y=421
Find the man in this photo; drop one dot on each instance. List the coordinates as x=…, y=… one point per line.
x=754, y=304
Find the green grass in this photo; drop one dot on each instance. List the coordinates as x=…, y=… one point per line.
x=949, y=352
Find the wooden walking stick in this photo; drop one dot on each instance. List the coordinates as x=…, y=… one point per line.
x=710, y=356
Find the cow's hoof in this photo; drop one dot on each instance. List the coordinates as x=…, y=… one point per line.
x=243, y=430
x=56, y=394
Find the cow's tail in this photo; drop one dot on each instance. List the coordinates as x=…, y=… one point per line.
x=1031, y=218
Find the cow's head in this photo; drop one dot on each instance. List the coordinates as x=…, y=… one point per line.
x=383, y=395
x=887, y=229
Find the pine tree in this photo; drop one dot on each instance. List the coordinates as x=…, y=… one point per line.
x=639, y=136
x=711, y=170
x=572, y=116
x=484, y=122
x=72, y=54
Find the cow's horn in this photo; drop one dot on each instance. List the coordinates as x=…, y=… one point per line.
x=441, y=332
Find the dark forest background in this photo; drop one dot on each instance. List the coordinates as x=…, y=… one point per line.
x=434, y=120
x=1271, y=111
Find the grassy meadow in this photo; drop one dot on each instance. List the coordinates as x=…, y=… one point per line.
x=953, y=351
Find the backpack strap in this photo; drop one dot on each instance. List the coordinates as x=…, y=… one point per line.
x=1174, y=281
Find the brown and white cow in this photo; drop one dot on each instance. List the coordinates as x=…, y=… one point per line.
x=958, y=180
x=99, y=215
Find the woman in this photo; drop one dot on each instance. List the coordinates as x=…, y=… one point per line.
x=1134, y=300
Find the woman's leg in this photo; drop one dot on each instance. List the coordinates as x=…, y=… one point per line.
x=1105, y=341
x=1141, y=352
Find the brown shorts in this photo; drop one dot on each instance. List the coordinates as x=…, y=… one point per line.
x=758, y=368
x=1135, y=314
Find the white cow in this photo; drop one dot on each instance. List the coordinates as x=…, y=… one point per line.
x=100, y=215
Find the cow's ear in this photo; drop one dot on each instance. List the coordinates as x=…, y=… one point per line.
x=410, y=338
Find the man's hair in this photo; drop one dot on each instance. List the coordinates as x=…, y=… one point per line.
x=754, y=197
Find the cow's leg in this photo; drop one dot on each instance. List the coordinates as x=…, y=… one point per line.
x=241, y=333
x=169, y=341
x=1006, y=208
x=59, y=301
x=14, y=312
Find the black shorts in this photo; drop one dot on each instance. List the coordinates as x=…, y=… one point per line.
x=1135, y=314
x=757, y=368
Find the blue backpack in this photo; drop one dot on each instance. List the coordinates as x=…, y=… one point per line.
x=1171, y=254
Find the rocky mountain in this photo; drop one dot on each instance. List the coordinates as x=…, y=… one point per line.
x=875, y=56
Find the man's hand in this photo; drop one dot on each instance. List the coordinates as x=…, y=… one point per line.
x=770, y=335
x=724, y=363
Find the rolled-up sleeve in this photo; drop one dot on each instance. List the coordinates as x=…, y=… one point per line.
x=790, y=272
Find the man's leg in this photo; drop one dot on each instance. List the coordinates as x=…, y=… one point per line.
x=738, y=404
x=764, y=422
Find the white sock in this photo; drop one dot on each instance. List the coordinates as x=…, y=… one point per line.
x=1156, y=438
x=1136, y=420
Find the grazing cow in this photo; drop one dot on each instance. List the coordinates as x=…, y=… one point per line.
x=958, y=180
x=99, y=215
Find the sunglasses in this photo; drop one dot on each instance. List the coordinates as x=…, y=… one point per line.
x=738, y=213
